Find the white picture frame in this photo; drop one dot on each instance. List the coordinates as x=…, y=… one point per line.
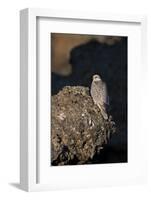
x=29, y=148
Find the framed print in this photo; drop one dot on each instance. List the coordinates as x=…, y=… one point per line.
x=81, y=77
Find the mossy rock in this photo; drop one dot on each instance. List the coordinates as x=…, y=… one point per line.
x=78, y=130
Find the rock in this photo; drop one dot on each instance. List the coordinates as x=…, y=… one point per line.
x=78, y=130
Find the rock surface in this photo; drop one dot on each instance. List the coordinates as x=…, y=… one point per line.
x=78, y=130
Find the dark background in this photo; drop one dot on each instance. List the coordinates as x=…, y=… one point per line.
x=109, y=61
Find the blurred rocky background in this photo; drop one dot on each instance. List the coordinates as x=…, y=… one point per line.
x=109, y=60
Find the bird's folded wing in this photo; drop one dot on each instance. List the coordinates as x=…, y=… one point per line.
x=105, y=96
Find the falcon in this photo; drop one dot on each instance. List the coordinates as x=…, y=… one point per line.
x=99, y=94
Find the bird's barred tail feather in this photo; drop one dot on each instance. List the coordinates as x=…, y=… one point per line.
x=104, y=114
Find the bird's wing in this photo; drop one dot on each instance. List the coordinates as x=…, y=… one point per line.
x=97, y=93
x=105, y=96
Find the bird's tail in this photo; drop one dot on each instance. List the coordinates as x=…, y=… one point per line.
x=104, y=114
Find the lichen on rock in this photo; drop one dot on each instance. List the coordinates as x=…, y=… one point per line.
x=78, y=130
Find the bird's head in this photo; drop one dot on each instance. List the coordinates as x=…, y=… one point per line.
x=96, y=78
